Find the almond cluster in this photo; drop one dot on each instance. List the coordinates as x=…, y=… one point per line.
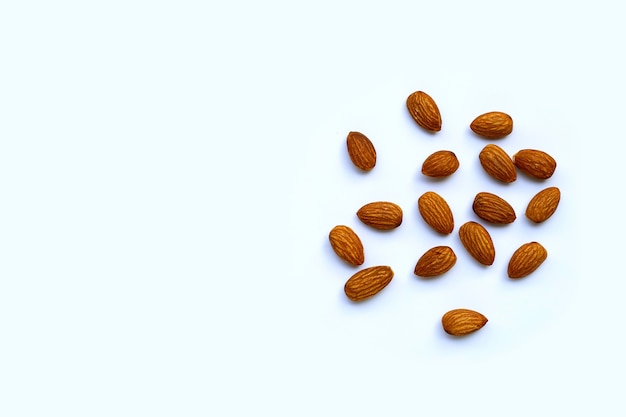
x=436, y=213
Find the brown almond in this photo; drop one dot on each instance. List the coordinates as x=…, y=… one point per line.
x=435, y=261
x=436, y=212
x=497, y=163
x=462, y=321
x=381, y=215
x=347, y=245
x=361, y=151
x=368, y=282
x=492, y=125
x=535, y=163
x=543, y=204
x=477, y=241
x=424, y=111
x=441, y=164
x=526, y=259
x=493, y=209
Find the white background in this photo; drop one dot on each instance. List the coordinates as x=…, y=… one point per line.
x=169, y=172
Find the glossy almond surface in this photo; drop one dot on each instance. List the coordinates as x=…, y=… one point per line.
x=347, y=245
x=526, y=259
x=435, y=261
x=493, y=209
x=436, y=212
x=424, y=111
x=478, y=243
x=492, y=125
x=462, y=321
x=536, y=163
x=440, y=164
x=361, y=151
x=543, y=205
x=497, y=163
x=368, y=282
x=381, y=215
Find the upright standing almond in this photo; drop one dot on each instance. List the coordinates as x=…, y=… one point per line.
x=492, y=125
x=535, y=163
x=381, y=215
x=526, y=259
x=436, y=212
x=493, y=209
x=347, y=245
x=361, y=151
x=441, y=164
x=477, y=241
x=543, y=205
x=368, y=282
x=424, y=111
x=497, y=163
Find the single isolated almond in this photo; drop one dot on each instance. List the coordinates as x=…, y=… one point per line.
x=477, y=241
x=435, y=261
x=361, y=151
x=381, y=215
x=347, y=245
x=436, y=212
x=497, y=163
x=526, y=259
x=441, y=164
x=462, y=321
x=493, y=209
x=424, y=111
x=368, y=282
x=492, y=125
x=535, y=163
x=543, y=204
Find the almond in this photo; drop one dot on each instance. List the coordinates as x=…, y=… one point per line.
x=381, y=215
x=497, y=163
x=436, y=212
x=435, y=261
x=492, y=125
x=347, y=245
x=477, y=241
x=462, y=321
x=441, y=164
x=526, y=259
x=368, y=282
x=493, y=209
x=361, y=151
x=424, y=111
x=543, y=204
x=535, y=163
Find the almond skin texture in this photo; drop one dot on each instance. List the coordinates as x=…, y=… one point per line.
x=543, y=204
x=535, y=163
x=381, y=215
x=368, y=282
x=477, y=241
x=493, y=209
x=347, y=245
x=497, y=163
x=361, y=151
x=492, y=125
x=435, y=261
x=436, y=212
x=424, y=111
x=441, y=164
x=526, y=259
x=462, y=321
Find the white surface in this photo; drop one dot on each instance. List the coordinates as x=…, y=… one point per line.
x=169, y=172
x=412, y=307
